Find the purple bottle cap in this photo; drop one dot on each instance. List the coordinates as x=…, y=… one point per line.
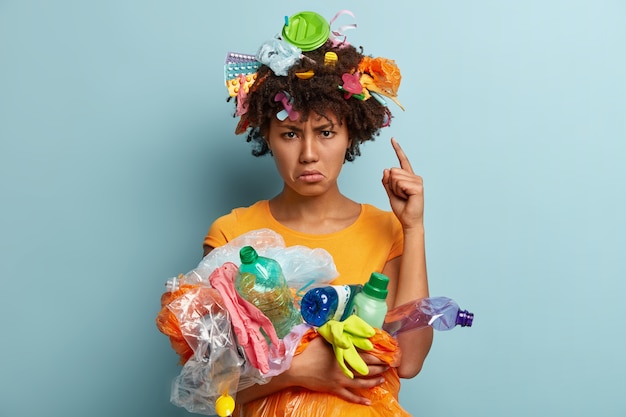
x=464, y=318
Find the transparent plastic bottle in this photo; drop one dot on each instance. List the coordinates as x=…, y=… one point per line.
x=332, y=302
x=370, y=304
x=260, y=281
x=441, y=313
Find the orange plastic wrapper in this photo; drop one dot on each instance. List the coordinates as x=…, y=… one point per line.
x=300, y=402
x=168, y=324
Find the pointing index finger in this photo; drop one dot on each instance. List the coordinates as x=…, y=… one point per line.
x=402, y=158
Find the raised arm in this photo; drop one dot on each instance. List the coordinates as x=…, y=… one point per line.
x=409, y=280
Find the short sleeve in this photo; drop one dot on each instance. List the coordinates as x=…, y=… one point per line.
x=220, y=231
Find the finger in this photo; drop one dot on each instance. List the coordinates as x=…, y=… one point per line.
x=348, y=395
x=396, y=188
x=376, y=370
x=367, y=381
x=372, y=360
x=385, y=181
x=405, y=183
x=402, y=158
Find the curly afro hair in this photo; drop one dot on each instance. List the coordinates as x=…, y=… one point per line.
x=319, y=94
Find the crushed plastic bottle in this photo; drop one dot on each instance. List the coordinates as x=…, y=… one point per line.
x=260, y=281
x=441, y=313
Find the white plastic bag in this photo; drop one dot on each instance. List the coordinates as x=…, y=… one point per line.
x=303, y=267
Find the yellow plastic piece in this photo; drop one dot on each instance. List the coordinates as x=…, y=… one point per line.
x=225, y=405
x=330, y=58
x=234, y=84
x=305, y=75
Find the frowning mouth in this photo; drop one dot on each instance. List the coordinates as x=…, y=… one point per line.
x=311, y=176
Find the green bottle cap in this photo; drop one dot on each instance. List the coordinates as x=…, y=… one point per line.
x=377, y=286
x=306, y=30
x=247, y=254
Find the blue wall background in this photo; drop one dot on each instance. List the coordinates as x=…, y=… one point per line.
x=117, y=151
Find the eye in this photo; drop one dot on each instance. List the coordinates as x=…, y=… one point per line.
x=327, y=134
x=289, y=135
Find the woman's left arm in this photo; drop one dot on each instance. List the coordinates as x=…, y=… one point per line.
x=407, y=273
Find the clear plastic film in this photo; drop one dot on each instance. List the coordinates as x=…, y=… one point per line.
x=279, y=362
x=303, y=267
x=215, y=366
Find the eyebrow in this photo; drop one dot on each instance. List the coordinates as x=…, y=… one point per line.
x=295, y=128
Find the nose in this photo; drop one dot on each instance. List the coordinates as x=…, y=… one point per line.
x=308, y=149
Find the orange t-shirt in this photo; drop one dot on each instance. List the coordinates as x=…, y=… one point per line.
x=358, y=250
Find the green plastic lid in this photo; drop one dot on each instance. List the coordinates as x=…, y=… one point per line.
x=377, y=286
x=247, y=254
x=306, y=30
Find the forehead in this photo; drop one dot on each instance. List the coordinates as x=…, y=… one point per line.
x=312, y=118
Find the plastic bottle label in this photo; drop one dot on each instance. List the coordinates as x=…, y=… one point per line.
x=343, y=294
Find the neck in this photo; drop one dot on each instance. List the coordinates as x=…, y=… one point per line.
x=325, y=213
x=296, y=204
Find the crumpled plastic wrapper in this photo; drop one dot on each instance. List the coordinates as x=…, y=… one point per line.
x=199, y=326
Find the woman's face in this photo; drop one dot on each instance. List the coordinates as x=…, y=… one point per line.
x=309, y=154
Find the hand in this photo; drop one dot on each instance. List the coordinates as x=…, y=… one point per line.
x=405, y=190
x=316, y=369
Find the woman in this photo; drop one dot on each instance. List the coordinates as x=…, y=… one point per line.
x=312, y=119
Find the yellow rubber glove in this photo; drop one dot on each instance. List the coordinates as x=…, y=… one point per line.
x=356, y=326
x=346, y=336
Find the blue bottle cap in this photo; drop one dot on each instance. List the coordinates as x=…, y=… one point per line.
x=306, y=30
